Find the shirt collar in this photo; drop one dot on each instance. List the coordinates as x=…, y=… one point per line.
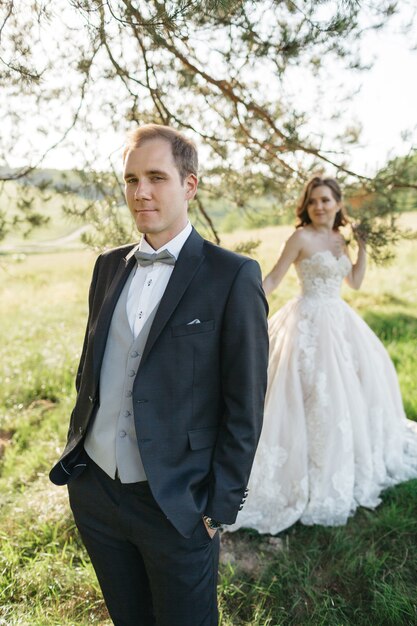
x=174, y=246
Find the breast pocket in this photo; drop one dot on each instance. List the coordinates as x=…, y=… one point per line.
x=192, y=329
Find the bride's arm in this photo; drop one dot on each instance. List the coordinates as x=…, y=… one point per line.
x=355, y=278
x=289, y=255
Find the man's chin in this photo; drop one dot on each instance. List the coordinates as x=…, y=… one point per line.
x=144, y=225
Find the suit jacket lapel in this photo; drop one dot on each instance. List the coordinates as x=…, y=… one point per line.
x=125, y=266
x=188, y=262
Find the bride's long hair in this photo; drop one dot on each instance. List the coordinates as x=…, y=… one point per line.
x=341, y=218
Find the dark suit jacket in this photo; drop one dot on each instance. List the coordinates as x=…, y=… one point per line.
x=199, y=392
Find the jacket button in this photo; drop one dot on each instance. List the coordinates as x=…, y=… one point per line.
x=81, y=430
x=91, y=398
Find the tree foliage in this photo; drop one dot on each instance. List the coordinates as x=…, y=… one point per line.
x=76, y=74
x=375, y=205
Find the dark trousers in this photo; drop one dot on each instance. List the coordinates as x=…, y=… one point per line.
x=150, y=575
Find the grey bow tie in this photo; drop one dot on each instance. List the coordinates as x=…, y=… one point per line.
x=144, y=258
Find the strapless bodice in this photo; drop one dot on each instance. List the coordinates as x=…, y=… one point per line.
x=321, y=275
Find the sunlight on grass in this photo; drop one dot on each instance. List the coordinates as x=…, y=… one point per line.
x=361, y=574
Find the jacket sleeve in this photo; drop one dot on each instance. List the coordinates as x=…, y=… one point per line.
x=244, y=362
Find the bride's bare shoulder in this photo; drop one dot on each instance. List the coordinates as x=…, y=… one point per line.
x=298, y=233
x=296, y=238
x=296, y=244
x=301, y=235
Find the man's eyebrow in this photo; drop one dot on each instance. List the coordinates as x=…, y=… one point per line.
x=156, y=172
x=148, y=173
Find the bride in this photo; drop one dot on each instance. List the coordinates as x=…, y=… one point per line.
x=335, y=433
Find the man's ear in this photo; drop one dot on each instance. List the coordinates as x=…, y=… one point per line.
x=191, y=184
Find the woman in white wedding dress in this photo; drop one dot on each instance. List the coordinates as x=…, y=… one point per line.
x=335, y=433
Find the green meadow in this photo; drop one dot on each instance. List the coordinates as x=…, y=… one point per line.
x=360, y=574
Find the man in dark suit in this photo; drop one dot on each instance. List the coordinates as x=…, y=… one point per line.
x=170, y=393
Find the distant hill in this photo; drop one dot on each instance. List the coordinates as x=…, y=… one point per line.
x=73, y=181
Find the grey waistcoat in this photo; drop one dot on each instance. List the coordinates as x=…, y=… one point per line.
x=111, y=441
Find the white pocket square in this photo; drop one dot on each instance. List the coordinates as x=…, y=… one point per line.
x=196, y=321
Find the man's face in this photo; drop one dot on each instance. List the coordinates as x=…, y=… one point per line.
x=155, y=195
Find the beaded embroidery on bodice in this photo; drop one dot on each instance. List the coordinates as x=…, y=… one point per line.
x=321, y=275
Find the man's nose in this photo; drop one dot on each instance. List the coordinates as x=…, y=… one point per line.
x=142, y=190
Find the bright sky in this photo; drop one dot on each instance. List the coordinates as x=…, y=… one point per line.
x=384, y=101
x=387, y=103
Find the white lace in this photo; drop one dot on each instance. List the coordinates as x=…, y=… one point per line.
x=335, y=434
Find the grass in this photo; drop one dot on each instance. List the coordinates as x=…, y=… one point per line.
x=362, y=574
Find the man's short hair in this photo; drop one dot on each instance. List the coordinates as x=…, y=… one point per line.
x=183, y=150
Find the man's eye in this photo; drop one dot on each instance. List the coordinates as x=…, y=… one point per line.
x=155, y=178
x=129, y=181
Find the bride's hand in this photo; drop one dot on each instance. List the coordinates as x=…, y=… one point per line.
x=359, y=235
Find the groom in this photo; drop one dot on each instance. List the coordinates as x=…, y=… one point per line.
x=170, y=393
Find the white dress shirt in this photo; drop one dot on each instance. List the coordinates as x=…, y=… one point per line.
x=149, y=283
